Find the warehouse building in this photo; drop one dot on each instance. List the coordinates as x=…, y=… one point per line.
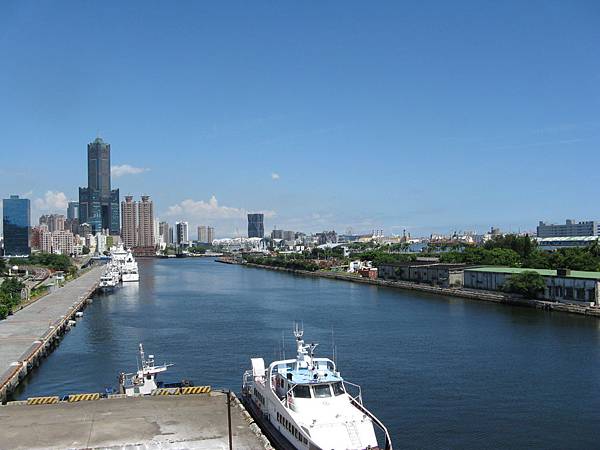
x=569, y=286
x=435, y=274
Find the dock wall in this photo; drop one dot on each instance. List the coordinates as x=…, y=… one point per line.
x=46, y=342
x=472, y=294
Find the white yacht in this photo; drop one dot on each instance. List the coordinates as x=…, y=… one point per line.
x=129, y=269
x=306, y=402
x=107, y=281
x=142, y=382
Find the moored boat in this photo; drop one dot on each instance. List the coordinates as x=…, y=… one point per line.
x=306, y=402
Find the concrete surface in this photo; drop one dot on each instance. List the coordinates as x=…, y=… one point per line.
x=19, y=331
x=183, y=421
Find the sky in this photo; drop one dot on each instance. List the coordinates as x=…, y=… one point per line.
x=427, y=116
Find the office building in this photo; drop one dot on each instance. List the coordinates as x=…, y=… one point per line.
x=256, y=227
x=570, y=228
x=203, y=234
x=16, y=220
x=145, y=209
x=129, y=222
x=210, y=232
x=98, y=203
x=181, y=232
x=73, y=210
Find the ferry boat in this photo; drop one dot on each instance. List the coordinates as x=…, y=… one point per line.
x=306, y=402
x=129, y=269
x=142, y=382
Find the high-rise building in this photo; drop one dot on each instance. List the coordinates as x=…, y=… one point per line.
x=129, y=226
x=181, y=231
x=73, y=210
x=256, y=227
x=203, y=234
x=145, y=222
x=171, y=237
x=163, y=230
x=16, y=220
x=98, y=203
x=210, y=232
x=55, y=222
x=62, y=242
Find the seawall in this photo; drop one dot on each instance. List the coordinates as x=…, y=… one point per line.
x=472, y=294
x=31, y=333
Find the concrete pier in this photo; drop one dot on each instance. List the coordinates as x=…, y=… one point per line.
x=28, y=335
x=183, y=421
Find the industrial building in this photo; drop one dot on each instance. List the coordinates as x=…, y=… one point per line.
x=564, y=285
x=436, y=274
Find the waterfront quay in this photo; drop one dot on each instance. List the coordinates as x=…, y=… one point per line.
x=31, y=333
x=182, y=421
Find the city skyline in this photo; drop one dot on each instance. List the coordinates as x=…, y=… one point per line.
x=406, y=122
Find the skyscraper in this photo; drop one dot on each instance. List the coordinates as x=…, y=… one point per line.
x=129, y=225
x=73, y=210
x=16, y=219
x=145, y=222
x=163, y=230
x=98, y=203
x=181, y=231
x=210, y=232
x=256, y=227
x=203, y=234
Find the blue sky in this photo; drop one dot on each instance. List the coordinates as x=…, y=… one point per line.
x=430, y=116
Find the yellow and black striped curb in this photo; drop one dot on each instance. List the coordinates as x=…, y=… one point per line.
x=195, y=390
x=83, y=397
x=182, y=391
x=42, y=400
x=166, y=391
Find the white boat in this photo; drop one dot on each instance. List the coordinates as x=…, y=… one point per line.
x=129, y=269
x=107, y=281
x=306, y=402
x=142, y=382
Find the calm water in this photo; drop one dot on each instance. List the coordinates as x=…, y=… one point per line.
x=440, y=372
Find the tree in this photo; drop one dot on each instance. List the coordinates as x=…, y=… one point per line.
x=85, y=250
x=528, y=283
x=2, y=265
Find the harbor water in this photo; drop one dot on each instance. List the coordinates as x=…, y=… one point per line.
x=439, y=372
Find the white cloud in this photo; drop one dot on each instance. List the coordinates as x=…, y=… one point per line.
x=52, y=201
x=126, y=169
x=275, y=176
x=199, y=209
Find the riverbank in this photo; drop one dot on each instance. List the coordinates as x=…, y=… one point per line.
x=32, y=332
x=472, y=294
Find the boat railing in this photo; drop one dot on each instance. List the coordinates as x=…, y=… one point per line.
x=247, y=380
x=356, y=387
x=376, y=421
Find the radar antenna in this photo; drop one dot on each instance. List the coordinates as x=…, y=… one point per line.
x=298, y=330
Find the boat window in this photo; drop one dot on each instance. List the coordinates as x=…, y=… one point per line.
x=322, y=391
x=302, y=391
x=338, y=388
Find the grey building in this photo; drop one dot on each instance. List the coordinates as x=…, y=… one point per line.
x=570, y=228
x=256, y=225
x=570, y=286
x=436, y=274
x=16, y=220
x=98, y=203
x=73, y=210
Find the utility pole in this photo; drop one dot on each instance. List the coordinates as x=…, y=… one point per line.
x=229, y=418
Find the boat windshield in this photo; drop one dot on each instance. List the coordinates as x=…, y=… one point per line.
x=322, y=391
x=301, y=391
x=338, y=388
